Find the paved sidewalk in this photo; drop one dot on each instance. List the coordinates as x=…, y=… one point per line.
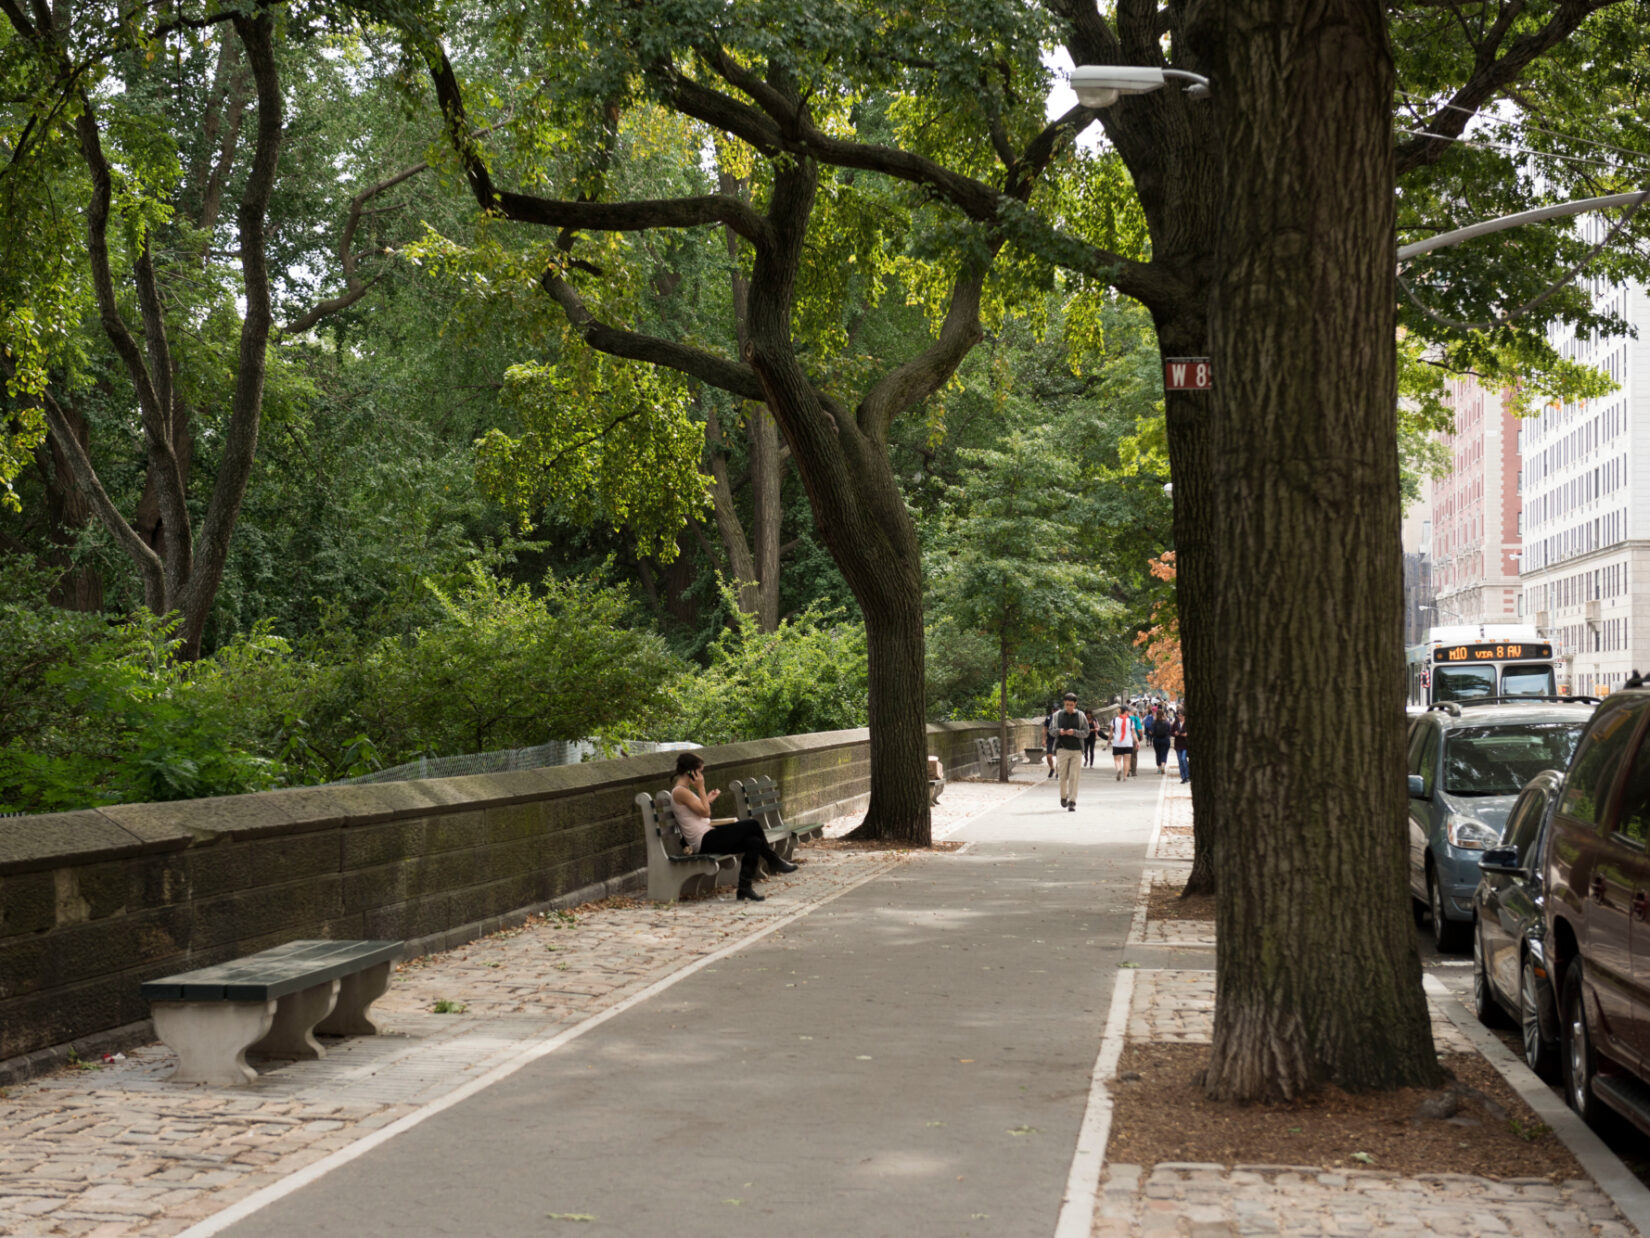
x=892, y=1044
x=114, y=1150
x=1176, y=1005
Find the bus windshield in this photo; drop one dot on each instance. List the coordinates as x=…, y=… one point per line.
x=1462, y=683
x=1531, y=680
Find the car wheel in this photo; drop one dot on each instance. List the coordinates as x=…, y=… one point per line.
x=1578, y=1061
x=1484, y=1005
x=1540, y=1054
x=1418, y=909
x=1446, y=934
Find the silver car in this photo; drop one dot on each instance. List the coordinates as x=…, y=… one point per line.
x=1468, y=761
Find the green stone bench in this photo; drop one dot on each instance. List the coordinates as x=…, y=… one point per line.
x=271, y=1003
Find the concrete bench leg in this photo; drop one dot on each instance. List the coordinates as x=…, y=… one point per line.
x=296, y=1014
x=211, y=1038
x=356, y=994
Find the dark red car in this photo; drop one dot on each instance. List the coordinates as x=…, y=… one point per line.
x=1597, y=881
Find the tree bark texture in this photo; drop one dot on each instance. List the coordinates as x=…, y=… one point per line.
x=79, y=587
x=861, y=515
x=1307, y=756
x=1004, y=764
x=180, y=572
x=1210, y=692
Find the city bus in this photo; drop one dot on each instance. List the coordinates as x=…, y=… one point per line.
x=1463, y=661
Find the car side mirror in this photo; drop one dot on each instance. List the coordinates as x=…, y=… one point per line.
x=1417, y=787
x=1503, y=860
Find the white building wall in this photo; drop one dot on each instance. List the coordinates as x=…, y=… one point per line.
x=1586, y=504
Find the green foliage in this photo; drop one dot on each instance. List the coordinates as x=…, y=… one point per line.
x=808, y=675
x=1009, y=566
x=613, y=445
x=95, y=713
x=508, y=668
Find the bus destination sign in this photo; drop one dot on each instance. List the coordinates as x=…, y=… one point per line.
x=1491, y=652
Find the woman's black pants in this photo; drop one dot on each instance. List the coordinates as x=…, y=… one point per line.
x=744, y=839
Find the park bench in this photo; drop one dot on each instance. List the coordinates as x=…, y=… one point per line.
x=271, y=1003
x=671, y=870
x=759, y=798
x=990, y=753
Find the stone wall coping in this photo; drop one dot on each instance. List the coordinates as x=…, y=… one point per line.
x=114, y=831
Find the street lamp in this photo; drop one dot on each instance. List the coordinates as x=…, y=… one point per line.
x=1101, y=85
x=1441, y=611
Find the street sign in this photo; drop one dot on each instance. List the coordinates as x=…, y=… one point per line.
x=1187, y=374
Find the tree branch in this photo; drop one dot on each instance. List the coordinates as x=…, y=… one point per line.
x=555, y=213
x=927, y=372
x=147, y=562
x=240, y=440
x=1490, y=76
x=634, y=346
x=354, y=287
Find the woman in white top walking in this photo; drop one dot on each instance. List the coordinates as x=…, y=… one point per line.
x=720, y=836
x=1122, y=741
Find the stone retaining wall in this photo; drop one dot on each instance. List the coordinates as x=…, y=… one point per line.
x=93, y=903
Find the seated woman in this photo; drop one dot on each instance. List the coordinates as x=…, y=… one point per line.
x=721, y=835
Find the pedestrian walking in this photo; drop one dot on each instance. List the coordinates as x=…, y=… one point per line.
x=1178, y=733
x=1137, y=724
x=1122, y=741
x=1162, y=730
x=1070, y=725
x=1048, y=739
x=1091, y=736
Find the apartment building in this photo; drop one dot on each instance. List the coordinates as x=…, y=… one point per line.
x=1471, y=514
x=1586, y=508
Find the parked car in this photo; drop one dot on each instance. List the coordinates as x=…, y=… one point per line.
x=1597, y=879
x=1510, y=975
x=1468, y=761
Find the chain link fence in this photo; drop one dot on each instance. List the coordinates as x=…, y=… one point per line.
x=557, y=752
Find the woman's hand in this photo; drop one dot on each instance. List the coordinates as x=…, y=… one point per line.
x=710, y=796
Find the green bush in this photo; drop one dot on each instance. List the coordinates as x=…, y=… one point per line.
x=93, y=712
x=508, y=668
x=808, y=675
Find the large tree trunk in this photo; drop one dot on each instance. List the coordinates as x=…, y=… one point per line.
x=79, y=587
x=1197, y=499
x=1308, y=756
x=767, y=472
x=1005, y=762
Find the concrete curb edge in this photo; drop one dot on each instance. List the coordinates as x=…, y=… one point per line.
x=1076, y=1219
x=1630, y=1196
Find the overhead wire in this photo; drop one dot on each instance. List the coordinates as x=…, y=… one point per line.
x=1510, y=149
x=1492, y=118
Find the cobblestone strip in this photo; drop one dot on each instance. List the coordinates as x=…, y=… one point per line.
x=1211, y=1201
x=1176, y=933
x=1179, y=934
x=1172, y=837
x=115, y=1150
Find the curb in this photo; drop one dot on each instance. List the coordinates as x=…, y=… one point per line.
x=1076, y=1219
x=1630, y=1196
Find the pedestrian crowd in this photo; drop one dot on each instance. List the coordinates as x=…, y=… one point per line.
x=1071, y=736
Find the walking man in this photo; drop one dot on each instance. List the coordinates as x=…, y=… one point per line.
x=1048, y=737
x=1069, y=728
